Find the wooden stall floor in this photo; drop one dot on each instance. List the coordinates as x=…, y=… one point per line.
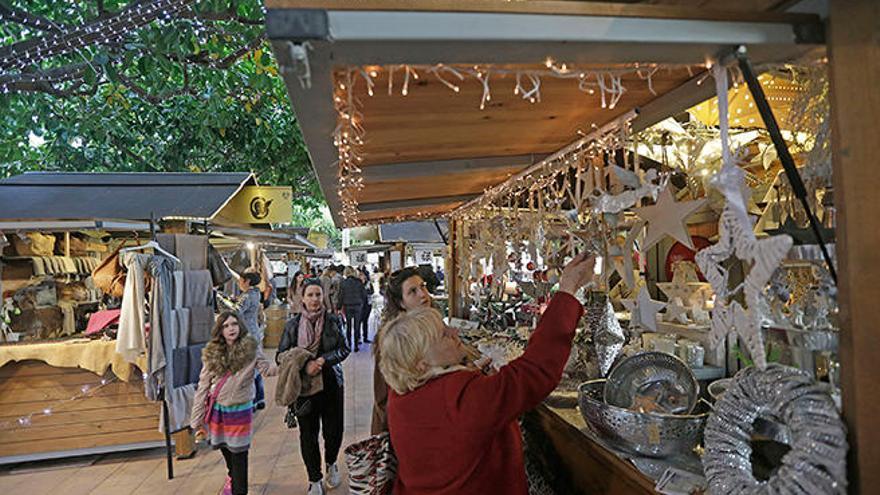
x=276, y=466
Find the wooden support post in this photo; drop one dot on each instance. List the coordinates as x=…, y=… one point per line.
x=452, y=281
x=855, y=105
x=67, y=244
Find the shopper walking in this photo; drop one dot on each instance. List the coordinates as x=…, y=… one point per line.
x=364, y=276
x=222, y=409
x=317, y=330
x=352, y=296
x=248, y=307
x=454, y=429
x=294, y=294
x=405, y=291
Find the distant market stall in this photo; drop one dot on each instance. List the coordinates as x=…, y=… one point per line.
x=79, y=371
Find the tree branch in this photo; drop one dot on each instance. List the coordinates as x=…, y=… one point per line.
x=30, y=20
x=160, y=97
x=227, y=61
x=47, y=81
x=15, y=56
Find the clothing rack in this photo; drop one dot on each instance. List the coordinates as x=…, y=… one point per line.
x=165, y=416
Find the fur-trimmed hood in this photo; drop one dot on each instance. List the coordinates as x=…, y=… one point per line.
x=219, y=358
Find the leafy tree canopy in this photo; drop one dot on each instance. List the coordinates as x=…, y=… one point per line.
x=148, y=85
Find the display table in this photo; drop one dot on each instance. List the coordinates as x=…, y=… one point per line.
x=93, y=355
x=575, y=462
x=64, y=379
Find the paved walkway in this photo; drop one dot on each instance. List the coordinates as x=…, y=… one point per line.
x=276, y=466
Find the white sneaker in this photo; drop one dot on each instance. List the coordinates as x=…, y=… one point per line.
x=316, y=488
x=334, y=479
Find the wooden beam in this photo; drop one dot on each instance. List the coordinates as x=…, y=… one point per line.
x=315, y=106
x=414, y=170
x=414, y=203
x=678, y=100
x=855, y=104
x=414, y=213
x=545, y=7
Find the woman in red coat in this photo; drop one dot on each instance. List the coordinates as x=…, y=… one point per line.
x=454, y=429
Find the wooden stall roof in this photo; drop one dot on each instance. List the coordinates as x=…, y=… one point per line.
x=58, y=196
x=434, y=149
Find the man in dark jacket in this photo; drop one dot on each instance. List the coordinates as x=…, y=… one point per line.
x=364, y=275
x=351, y=300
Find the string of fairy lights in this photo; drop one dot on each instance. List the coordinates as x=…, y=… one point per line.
x=31, y=65
x=349, y=136
x=85, y=391
x=100, y=32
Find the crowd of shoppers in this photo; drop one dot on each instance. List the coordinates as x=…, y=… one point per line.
x=452, y=426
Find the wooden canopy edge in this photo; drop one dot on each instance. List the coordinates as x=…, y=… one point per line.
x=551, y=7
x=414, y=203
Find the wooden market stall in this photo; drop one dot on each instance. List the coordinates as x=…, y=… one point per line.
x=422, y=109
x=280, y=249
x=63, y=393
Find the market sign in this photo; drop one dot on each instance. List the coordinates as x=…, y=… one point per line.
x=423, y=256
x=359, y=258
x=260, y=204
x=319, y=239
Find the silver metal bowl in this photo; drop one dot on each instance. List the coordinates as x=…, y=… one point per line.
x=646, y=434
x=652, y=382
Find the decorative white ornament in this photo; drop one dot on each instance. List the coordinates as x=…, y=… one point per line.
x=643, y=310
x=625, y=266
x=668, y=217
x=737, y=240
x=690, y=293
x=616, y=203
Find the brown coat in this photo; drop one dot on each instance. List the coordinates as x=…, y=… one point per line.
x=293, y=381
x=242, y=359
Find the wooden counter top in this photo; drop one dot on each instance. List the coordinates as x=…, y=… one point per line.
x=574, y=462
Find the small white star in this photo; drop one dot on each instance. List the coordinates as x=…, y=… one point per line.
x=643, y=310
x=668, y=217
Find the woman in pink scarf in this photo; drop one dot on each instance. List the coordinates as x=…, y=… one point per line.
x=317, y=330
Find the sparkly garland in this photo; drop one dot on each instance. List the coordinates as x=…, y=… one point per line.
x=816, y=462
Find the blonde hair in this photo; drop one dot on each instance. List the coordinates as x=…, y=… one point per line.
x=349, y=272
x=404, y=342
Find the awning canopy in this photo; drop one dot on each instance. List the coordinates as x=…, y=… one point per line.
x=286, y=239
x=425, y=104
x=57, y=196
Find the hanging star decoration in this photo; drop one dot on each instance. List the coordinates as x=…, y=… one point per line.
x=643, y=310
x=737, y=303
x=607, y=334
x=667, y=217
x=623, y=263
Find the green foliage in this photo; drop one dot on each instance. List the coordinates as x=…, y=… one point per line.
x=199, y=93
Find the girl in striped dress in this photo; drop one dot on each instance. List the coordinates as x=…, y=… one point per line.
x=223, y=405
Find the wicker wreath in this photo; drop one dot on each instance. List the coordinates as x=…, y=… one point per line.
x=816, y=462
